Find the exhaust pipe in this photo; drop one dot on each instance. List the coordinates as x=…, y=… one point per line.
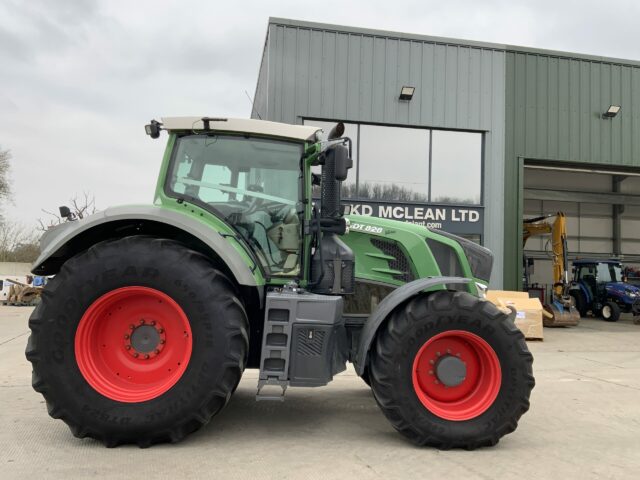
x=336, y=132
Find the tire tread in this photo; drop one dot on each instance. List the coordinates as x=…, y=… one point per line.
x=236, y=327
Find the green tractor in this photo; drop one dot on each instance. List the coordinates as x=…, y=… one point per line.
x=155, y=311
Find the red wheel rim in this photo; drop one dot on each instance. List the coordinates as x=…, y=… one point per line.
x=133, y=344
x=475, y=393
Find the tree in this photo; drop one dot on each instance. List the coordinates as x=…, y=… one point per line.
x=18, y=243
x=5, y=187
x=81, y=207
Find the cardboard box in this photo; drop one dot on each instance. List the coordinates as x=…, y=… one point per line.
x=494, y=295
x=528, y=311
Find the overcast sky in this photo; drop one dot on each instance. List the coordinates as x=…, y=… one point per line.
x=80, y=78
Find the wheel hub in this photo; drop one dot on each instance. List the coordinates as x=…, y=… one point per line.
x=146, y=340
x=451, y=371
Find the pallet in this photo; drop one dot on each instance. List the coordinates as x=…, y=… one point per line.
x=18, y=304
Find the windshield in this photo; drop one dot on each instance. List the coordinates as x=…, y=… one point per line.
x=253, y=184
x=609, y=272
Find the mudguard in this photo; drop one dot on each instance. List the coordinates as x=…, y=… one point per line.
x=388, y=304
x=55, y=239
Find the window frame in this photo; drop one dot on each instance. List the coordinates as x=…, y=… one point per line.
x=266, y=273
x=429, y=131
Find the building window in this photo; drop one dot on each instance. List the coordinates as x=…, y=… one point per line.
x=456, y=167
x=396, y=164
x=404, y=164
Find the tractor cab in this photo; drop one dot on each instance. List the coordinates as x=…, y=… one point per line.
x=600, y=286
x=594, y=275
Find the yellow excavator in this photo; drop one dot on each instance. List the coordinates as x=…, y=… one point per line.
x=560, y=312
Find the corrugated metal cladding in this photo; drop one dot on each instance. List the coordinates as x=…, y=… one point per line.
x=261, y=98
x=354, y=76
x=327, y=72
x=554, y=106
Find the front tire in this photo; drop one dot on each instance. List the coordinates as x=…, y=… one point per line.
x=451, y=371
x=610, y=312
x=137, y=340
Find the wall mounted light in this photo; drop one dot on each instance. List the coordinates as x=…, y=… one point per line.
x=612, y=111
x=406, y=93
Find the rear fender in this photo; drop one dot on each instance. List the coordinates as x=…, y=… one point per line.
x=388, y=304
x=61, y=243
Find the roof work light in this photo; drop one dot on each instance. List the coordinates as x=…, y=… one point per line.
x=612, y=111
x=406, y=93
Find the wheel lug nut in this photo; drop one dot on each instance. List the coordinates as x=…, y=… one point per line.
x=161, y=330
x=431, y=362
x=438, y=354
x=448, y=350
x=146, y=356
x=126, y=336
x=430, y=372
x=131, y=327
x=128, y=347
x=437, y=382
x=157, y=351
x=142, y=321
x=153, y=322
x=162, y=342
x=135, y=355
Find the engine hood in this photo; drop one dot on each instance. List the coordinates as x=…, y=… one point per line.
x=623, y=289
x=455, y=256
x=385, y=226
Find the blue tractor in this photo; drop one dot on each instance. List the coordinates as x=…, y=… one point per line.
x=600, y=286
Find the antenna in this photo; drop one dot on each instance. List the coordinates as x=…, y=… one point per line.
x=252, y=106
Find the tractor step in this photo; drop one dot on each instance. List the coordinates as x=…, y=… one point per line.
x=276, y=341
x=272, y=394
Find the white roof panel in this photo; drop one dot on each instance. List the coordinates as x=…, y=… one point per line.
x=242, y=125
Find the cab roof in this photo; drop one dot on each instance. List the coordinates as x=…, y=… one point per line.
x=242, y=125
x=590, y=261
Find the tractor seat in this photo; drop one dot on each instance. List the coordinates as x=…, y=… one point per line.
x=589, y=282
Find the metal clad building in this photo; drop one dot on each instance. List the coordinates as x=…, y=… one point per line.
x=531, y=109
x=554, y=106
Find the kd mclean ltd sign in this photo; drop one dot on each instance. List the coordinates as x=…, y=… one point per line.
x=450, y=218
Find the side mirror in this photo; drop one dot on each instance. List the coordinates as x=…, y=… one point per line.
x=65, y=212
x=342, y=161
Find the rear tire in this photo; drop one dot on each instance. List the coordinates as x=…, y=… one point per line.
x=183, y=344
x=580, y=301
x=610, y=312
x=366, y=378
x=485, y=405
